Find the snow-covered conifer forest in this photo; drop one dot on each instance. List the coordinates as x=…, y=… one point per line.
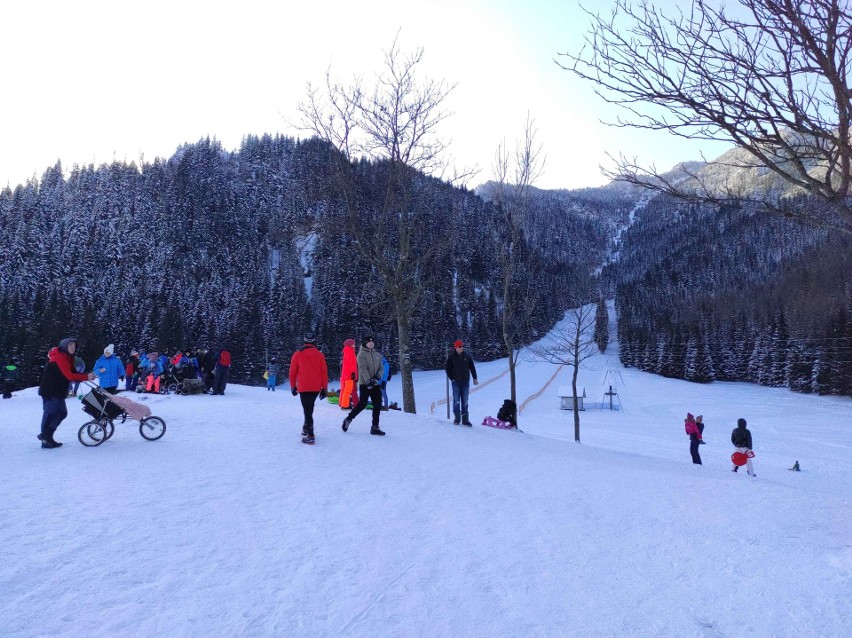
x=250, y=248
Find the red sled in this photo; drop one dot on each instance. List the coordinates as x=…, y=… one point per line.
x=741, y=458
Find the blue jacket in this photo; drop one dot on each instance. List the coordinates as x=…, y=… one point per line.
x=113, y=369
x=386, y=372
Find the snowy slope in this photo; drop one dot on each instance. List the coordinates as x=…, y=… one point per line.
x=229, y=526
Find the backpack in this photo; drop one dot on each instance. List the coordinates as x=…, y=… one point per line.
x=225, y=358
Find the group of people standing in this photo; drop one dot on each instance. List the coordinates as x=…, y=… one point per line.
x=309, y=380
x=740, y=437
x=65, y=370
x=364, y=379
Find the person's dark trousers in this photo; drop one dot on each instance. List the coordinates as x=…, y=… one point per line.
x=54, y=413
x=7, y=390
x=220, y=379
x=385, y=395
x=130, y=383
x=374, y=395
x=308, y=400
x=460, y=393
x=693, y=450
x=112, y=390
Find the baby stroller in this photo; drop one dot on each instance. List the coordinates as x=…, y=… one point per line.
x=106, y=408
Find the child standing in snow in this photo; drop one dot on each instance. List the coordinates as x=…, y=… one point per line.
x=272, y=370
x=741, y=438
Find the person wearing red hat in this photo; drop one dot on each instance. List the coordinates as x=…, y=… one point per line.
x=460, y=370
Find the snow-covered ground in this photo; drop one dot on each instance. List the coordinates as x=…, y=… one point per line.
x=229, y=526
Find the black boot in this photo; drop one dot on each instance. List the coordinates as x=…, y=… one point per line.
x=466, y=420
x=375, y=430
x=308, y=439
x=53, y=442
x=457, y=419
x=346, y=423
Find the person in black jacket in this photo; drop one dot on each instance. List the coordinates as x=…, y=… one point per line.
x=741, y=438
x=54, y=389
x=460, y=369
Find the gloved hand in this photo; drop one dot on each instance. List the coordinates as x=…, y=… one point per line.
x=121, y=378
x=353, y=376
x=371, y=384
x=294, y=391
x=323, y=393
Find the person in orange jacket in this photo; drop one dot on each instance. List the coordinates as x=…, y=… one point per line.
x=349, y=376
x=308, y=379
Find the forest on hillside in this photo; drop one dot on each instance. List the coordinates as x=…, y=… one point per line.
x=734, y=293
x=250, y=249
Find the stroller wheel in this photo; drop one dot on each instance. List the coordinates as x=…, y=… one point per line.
x=92, y=433
x=152, y=428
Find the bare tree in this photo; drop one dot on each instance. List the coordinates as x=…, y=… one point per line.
x=514, y=173
x=394, y=122
x=772, y=77
x=571, y=343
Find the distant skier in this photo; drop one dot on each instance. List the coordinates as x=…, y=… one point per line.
x=741, y=438
x=308, y=379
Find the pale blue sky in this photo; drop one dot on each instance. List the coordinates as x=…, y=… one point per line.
x=95, y=80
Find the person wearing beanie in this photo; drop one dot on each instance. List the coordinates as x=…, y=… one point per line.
x=308, y=379
x=53, y=390
x=348, y=376
x=272, y=371
x=370, y=372
x=741, y=438
x=109, y=370
x=460, y=370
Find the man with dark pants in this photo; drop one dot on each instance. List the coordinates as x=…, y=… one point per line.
x=460, y=369
x=370, y=372
x=53, y=390
x=223, y=367
x=308, y=379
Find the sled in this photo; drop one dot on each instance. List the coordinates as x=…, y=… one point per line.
x=491, y=422
x=741, y=458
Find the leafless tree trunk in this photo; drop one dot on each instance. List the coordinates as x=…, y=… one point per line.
x=394, y=121
x=514, y=175
x=571, y=343
x=771, y=76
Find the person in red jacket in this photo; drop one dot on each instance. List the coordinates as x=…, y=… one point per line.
x=308, y=379
x=53, y=389
x=349, y=376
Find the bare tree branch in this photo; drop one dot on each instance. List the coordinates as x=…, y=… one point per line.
x=772, y=78
x=394, y=124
